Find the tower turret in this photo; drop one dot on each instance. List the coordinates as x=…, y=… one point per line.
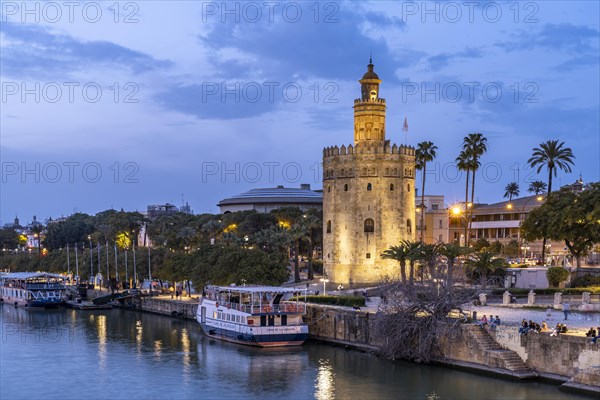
x=369, y=110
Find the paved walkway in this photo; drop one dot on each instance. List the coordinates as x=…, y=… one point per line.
x=514, y=316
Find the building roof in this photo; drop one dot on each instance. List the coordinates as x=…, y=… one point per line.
x=278, y=195
x=517, y=204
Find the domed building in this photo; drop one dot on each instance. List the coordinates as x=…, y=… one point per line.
x=267, y=199
x=368, y=195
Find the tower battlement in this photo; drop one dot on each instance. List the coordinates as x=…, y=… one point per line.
x=369, y=148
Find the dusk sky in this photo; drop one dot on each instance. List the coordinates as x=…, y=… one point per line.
x=105, y=107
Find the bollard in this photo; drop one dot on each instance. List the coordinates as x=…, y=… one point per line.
x=585, y=298
x=483, y=299
x=531, y=298
x=474, y=316
x=506, y=297
x=557, y=300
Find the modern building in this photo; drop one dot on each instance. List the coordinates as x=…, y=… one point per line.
x=368, y=195
x=268, y=199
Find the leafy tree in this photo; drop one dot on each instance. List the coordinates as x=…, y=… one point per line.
x=511, y=249
x=552, y=155
x=512, y=189
x=537, y=187
x=426, y=152
x=569, y=217
x=9, y=239
x=495, y=247
x=556, y=275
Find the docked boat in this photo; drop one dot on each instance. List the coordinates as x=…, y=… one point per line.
x=263, y=316
x=33, y=289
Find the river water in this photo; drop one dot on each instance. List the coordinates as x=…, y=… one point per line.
x=120, y=354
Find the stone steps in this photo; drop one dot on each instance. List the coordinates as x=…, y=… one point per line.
x=508, y=359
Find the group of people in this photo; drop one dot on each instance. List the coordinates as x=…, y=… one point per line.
x=558, y=329
x=594, y=334
x=532, y=327
x=493, y=322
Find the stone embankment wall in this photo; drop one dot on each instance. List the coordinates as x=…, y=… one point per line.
x=182, y=309
x=567, y=358
x=340, y=326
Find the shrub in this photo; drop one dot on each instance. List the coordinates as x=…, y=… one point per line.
x=347, y=301
x=585, y=281
x=556, y=275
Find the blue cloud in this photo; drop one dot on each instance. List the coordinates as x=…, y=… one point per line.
x=581, y=42
x=36, y=52
x=440, y=61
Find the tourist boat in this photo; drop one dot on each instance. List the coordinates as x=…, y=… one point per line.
x=33, y=289
x=263, y=316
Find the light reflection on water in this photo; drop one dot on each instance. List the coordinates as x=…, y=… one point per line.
x=118, y=354
x=325, y=388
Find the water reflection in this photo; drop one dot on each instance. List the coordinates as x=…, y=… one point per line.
x=120, y=354
x=325, y=388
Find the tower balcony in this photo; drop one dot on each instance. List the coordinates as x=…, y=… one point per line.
x=378, y=100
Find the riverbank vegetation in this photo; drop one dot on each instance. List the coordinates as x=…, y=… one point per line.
x=241, y=247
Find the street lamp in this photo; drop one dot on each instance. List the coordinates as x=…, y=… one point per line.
x=91, y=258
x=324, y=280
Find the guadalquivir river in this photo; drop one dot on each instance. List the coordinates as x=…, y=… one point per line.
x=120, y=354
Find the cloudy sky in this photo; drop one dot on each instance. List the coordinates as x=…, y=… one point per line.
x=158, y=101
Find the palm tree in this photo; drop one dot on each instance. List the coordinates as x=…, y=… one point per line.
x=426, y=151
x=401, y=254
x=476, y=145
x=483, y=263
x=463, y=164
x=512, y=189
x=537, y=187
x=451, y=251
x=553, y=156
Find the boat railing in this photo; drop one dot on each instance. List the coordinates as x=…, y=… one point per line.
x=45, y=286
x=265, y=308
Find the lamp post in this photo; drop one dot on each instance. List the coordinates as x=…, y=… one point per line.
x=91, y=259
x=324, y=280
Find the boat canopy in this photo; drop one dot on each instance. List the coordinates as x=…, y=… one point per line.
x=29, y=275
x=255, y=289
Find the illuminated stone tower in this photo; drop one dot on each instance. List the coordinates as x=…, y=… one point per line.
x=368, y=195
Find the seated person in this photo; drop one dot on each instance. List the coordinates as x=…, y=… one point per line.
x=483, y=321
x=544, y=327
x=591, y=332
x=497, y=320
x=524, y=328
x=563, y=328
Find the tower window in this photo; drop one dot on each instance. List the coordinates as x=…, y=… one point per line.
x=408, y=187
x=409, y=225
x=369, y=187
x=392, y=187
x=345, y=187
x=328, y=226
x=368, y=255
x=328, y=189
x=369, y=225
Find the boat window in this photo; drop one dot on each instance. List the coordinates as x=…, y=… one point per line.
x=214, y=314
x=237, y=319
